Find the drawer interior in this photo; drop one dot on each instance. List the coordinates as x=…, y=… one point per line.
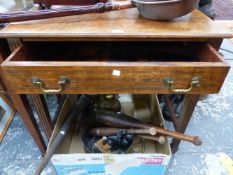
x=115, y=52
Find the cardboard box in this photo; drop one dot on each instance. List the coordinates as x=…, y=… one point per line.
x=71, y=158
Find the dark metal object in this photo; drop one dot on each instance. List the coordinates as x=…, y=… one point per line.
x=121, y=120
x=120, y=142
x=79, y=107
x=114, y=143
x=165, y=9
x=206, y=7
x=205, y=2
x=172, y=107
x=156, y=10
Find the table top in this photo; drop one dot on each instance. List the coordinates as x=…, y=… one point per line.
x=123, y=24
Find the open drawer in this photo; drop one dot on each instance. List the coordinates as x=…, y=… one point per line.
x=71, y=155
x=115, y=67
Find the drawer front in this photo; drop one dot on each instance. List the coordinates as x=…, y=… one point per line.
x=102, y=77
x=115, y=79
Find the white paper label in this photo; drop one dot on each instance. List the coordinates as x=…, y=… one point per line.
x=116, y=73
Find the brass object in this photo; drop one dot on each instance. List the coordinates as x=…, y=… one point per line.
x=62, y=82
x=109, y=102
x=196, y=81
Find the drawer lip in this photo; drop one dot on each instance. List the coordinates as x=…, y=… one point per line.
x=115, y=64
x=111, y=37
x=219, y=61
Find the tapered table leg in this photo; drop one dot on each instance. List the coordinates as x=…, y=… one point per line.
x=188, y=108
x=24, y=108
x=43, y=113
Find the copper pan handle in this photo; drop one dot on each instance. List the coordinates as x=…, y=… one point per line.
x=52, y=13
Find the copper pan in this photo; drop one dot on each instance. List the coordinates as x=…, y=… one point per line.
x=164, y=9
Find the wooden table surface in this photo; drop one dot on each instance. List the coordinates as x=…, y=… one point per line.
x=124, y=24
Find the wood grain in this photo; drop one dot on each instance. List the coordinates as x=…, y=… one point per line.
x=228, y=25
x=129, y=26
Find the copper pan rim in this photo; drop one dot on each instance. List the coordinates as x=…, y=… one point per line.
x=157, y=2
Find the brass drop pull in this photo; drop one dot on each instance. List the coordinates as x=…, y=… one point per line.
x=196, y=81
x=62, y=82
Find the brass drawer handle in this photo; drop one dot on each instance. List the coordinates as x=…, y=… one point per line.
x=62, y=82
x=196, y=81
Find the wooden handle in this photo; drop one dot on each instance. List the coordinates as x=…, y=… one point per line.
x=123, y=121
x=160, y=139
x=193, y=139
x=52, y=13
x=111, y=131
